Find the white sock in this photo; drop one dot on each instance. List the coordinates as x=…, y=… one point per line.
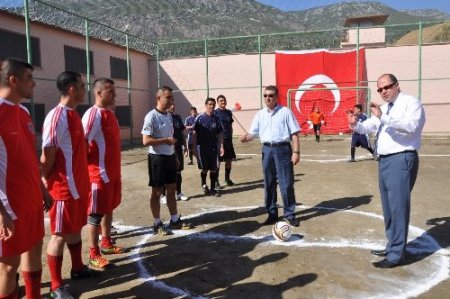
x=175, y=217
x=157, y=221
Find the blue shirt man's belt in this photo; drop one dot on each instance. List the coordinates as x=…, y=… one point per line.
x=388, y=155
x=276, y=144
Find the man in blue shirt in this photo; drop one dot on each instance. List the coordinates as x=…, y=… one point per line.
x=189, y=124
x=226, y=120
x=278, y=131
x=207, y=144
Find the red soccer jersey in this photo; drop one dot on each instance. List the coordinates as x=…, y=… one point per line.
x=20, y=190
x=102, y=132
x=69, y=176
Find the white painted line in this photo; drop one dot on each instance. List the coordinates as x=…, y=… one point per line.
x=434, y=271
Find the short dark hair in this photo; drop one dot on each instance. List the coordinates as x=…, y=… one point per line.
x=100, y=82
x=359, y=106
x=221, y=96
x=164, y=88
x=12, y=67
x=193, y=109
x=65, y=80
x=391, y=77
x=272, y=88
x=210, y=100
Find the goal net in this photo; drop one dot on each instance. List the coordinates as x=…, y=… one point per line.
x=332, y=102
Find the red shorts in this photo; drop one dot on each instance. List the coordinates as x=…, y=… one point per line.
x=104, y=197
x=28, y=231
x=68, y=216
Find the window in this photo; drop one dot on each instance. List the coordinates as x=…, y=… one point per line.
x=15, y=45
x=118, y=68
x=75, y=59
x=39, y=115
x=123, y=115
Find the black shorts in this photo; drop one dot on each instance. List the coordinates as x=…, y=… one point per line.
x=207, y=157
x=360, y=140
x=162, y=170
x=180, y=156
x=317, y=127
x=228, y=150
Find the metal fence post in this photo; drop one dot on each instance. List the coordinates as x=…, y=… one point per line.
x=129, y=87
x=260, y=72
x=88, y=61
x=419, y=95
x=357, y=62
x=207, y=68
x=158, y=74
x=29, y=50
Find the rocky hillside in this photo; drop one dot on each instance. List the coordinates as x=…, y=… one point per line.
x=196, y=19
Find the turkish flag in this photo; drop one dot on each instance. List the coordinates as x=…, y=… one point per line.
x=324, y=79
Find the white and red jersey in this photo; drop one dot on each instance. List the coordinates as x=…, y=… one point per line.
x=69, y=176
x=20, y=190
x=102, y=132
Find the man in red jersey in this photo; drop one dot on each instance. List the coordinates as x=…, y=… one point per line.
x=65, y=174
x=102, y=132
x=21, y=192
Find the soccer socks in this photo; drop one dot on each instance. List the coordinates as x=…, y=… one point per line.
x=75, y=255
x=179, y=181
x=213, y=178
x=203, y=176
x=94, y=251
x=352, y=152
x=32, y=284
x=54, y=267
x=227, y=173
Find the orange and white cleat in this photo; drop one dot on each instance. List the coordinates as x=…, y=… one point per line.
x=98, y=262
x=112, y=249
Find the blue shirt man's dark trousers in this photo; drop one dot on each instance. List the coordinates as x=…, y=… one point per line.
x=397, y=175
x=277, y=164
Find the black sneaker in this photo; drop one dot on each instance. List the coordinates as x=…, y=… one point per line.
x=61, y=293
x=292, y=221
x=86, y=272
x=218, y=187
x=205, y=189
x=214, y=193
x=229, y=182
x=161, y=229
x=180, y=224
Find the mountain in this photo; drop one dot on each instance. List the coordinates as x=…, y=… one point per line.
x=170, y=20
x=429, y=13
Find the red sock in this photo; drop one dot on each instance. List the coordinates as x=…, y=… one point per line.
x=75, y=255
x=32, y=284
x=106, y=242
x=54, y=266
x=94, y=251
x=13, y=295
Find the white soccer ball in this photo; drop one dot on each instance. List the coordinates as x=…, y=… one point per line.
x=281, y=231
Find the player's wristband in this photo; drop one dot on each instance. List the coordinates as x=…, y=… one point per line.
x=296, y=152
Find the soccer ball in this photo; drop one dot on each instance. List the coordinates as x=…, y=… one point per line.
x=281, y=231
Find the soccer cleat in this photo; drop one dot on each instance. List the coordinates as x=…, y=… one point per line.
x=218, y=187
x=61, y=293
x=112, y=249
x=181, y=196
x=98, y=262
x=180, y=224
x=160, y=229
x=163, y=199
x=86, y=272
x=214, y=193
x=229, y=182
x=205, y=189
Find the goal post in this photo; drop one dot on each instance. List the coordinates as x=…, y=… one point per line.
x=333, y=102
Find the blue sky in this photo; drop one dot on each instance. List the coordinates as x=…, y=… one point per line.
x=443, y=5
